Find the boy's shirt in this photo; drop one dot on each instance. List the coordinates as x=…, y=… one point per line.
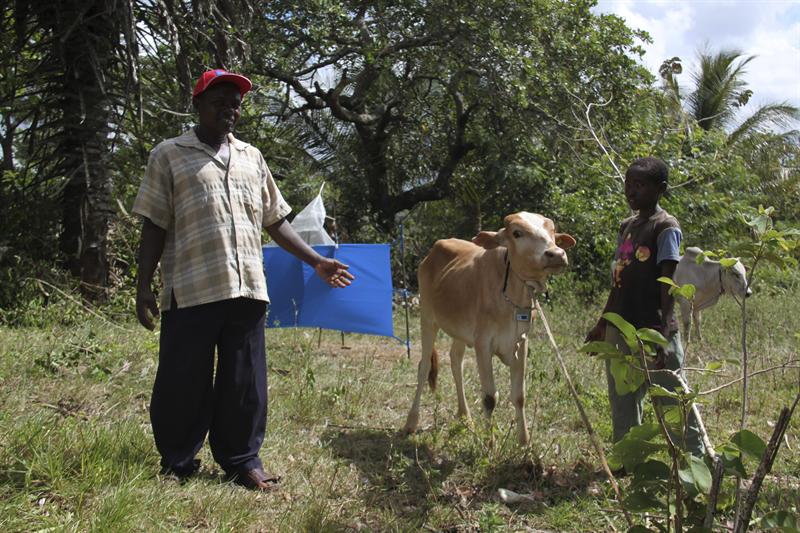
x=642, y=245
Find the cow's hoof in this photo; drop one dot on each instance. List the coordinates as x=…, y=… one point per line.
x=410, y=428
x=405, y=432
x=412, y=422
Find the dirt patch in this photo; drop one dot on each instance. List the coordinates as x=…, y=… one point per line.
x=360, y=346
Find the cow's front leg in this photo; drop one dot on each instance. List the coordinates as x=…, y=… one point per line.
x=696, y=320
x=686, y=321
x=484, y=356
x=457, y=366
x=517, y=367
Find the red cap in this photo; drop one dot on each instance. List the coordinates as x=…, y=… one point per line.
x=213, y=77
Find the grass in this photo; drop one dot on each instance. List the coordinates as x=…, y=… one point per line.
x=76, y=451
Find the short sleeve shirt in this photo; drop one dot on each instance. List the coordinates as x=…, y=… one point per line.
x=636, y=266
x=669, y=245
x=213, y=215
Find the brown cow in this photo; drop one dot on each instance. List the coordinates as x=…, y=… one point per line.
x=480, y=293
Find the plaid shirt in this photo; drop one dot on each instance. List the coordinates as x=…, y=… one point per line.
x=213, y=216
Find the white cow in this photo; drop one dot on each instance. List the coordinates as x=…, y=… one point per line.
x=711, y=280
x=480, y=294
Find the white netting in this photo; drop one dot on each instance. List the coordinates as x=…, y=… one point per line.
x=310, y=223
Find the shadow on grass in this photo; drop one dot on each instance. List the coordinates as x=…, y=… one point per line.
x=420, y=477
x=549, y=485
x=402, y=467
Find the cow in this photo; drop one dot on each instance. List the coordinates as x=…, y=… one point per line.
x=711, y=280
x=481, y=293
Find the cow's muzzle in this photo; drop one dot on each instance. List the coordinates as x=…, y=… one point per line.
x=555, y=258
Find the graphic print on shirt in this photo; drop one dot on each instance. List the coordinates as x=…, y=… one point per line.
x=626, y=252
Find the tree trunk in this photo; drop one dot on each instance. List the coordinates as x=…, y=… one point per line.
x=8, y=144
x=87, y=35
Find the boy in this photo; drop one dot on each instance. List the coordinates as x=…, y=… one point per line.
x=647, y=248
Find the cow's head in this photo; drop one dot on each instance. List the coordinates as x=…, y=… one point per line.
x=734, y=280
x=535, y=250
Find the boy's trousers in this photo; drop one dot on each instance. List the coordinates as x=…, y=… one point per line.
x=626, y=409
x=191, y=398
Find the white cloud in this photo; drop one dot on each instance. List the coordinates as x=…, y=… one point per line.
x=769, y=29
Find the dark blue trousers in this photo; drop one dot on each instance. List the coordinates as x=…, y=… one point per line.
x=191, y=400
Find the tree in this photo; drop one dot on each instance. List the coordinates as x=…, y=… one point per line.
x=719, y=92
x=72, y=106
x=22, y=186
x=78, y=45
x=423, y=97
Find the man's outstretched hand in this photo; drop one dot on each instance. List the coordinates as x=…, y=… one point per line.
x=334, y=273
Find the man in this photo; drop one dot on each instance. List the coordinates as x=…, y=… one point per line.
x=204, y=199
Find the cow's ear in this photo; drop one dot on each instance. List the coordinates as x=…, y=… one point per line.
x=490, y=239
x=565, y=240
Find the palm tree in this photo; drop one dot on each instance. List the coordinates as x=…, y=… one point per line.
x=720, y=92
x=76, y=43
x=79, y=85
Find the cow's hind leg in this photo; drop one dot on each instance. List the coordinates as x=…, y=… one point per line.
x=518, y=390
x=457, y=366
x=428, y=365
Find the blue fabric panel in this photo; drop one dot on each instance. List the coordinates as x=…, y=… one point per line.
x=300, y=298
x=284, y=285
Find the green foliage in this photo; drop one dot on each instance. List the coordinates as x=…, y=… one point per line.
x=768, y=243
x=490, y=520
x=436, y=101
x=624, y=327
x=469, y=113
x=742, y=449
x=638, y=447
x=686, y=291
x=780, y=520
x=76, y=452
x=720, y=91
x=482, y=111
x=749, y=443
x=695, y=475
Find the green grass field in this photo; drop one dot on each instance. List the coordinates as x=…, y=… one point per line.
x=76, y=450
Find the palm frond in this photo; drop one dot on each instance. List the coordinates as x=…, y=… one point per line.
x=718, y=84
x=766, y=117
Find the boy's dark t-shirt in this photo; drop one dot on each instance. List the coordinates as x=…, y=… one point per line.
x=636, y=293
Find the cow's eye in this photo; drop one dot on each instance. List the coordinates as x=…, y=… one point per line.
x=517, y=234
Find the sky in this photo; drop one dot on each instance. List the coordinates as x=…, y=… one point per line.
x=768, y=29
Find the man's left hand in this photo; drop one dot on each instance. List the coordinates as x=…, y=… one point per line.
x=334, y=273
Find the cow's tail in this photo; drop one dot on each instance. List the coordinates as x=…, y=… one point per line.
x=434, y=372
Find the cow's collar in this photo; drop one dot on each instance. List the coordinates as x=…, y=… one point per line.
x=531, y=288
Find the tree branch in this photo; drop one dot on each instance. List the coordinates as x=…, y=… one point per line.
x=735, y=381
x=764, y=467
x=587, y=424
